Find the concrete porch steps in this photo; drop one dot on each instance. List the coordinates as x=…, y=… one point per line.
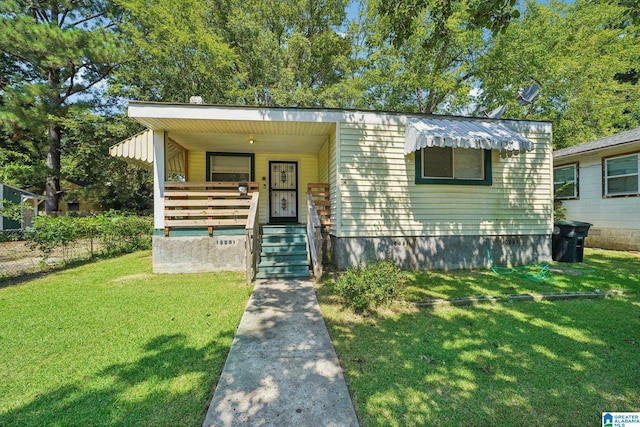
x=284, y=253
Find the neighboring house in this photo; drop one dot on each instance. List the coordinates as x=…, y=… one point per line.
x=72, y=199
x=427, y=191
x=598, y=183
x=10, y=195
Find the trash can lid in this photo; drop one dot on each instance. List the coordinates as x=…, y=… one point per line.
x=572, y=223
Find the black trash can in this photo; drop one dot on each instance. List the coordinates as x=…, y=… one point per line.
x=568, y=240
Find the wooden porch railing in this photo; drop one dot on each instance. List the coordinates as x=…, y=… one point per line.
x=206, y=204
x=320, y=195
x=253, y=240
x=314, y=237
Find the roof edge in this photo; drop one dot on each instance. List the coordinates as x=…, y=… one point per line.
x=343, y=111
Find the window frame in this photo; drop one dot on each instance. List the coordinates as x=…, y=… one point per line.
x=487, y=168
x=576, y=180
x=227, y=154
x=605, y=178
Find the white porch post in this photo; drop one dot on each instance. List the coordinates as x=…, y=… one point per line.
x=158, y=179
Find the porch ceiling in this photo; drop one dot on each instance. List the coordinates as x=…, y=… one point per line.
x=234, y=135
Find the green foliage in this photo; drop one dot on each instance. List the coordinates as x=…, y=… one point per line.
x=53, y=53
x=49, y=233
x=366, y=288
x=583, y=54
x=422, y=55
x=118, y=233
x=121, y=233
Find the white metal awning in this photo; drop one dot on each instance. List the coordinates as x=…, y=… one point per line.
x=138, y=150
x=457, y=133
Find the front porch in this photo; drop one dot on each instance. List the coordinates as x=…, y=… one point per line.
x=202, y=221
x=214, y=226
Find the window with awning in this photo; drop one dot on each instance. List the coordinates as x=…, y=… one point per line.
x=423, y=133
x=458, y=151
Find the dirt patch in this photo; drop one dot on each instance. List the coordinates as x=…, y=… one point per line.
x=130, y=278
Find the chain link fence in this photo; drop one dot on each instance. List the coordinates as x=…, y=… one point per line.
x=19, y=256
x=55, y=241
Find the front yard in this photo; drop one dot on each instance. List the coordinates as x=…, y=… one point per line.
x=513, y=364
x=109, y=343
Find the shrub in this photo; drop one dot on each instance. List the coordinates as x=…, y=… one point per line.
x=118, y=233
x=49, y=233
x=367, y=288
x=122, y=233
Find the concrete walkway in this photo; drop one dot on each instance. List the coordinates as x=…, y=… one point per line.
x=282, y=369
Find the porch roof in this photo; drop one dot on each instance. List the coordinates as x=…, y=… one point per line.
x=204, y=127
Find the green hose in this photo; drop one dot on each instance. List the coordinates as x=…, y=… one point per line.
x=535, y=272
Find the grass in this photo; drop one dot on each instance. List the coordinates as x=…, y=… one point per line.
x=109, y=343
x=535, y=364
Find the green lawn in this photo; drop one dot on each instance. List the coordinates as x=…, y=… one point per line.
x=109, y=343
x=515, y=364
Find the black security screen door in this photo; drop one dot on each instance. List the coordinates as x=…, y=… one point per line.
x=283, y=192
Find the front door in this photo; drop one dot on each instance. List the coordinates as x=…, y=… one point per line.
x=283, y=192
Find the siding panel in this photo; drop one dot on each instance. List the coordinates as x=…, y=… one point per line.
x=379, y=197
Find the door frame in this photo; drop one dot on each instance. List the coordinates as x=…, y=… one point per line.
x=285, y=220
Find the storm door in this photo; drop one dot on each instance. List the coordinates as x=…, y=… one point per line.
x=283, y=192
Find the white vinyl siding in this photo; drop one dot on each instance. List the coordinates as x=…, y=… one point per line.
x=617, y=213
x=379, y=197
x=334, y=187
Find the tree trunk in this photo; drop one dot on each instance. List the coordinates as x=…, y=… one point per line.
x=53, y=164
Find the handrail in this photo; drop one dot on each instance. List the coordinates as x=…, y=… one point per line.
x=314, y=237
x=253, y=239
x=206, y=204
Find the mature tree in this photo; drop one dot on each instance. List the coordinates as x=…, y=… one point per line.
x=236, y=51
x=422, y=53
x=54, y=52
x=584, y=55
x=109, y=182
x=177, y=52
x=291, y=52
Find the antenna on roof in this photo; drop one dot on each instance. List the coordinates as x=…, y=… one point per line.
x=528, y=96
x=497, y=113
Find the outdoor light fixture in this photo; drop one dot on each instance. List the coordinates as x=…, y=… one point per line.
x=251, y=141
x=243, y=188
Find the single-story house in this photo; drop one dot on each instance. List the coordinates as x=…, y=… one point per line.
x=10, y=195
x=431, y=192
x=597, y=182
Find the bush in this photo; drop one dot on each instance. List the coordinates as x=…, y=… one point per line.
x=49, y=233
x=367, y=288
x=121, y=233
x=118, y=233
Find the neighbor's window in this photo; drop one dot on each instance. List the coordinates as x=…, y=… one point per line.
x=621, y=175
x=230, y=167
x=565, y=182
x=444, y=165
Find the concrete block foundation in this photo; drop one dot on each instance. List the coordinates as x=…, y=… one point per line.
x=617, y=239
x=198, y=254
x=440, y=252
